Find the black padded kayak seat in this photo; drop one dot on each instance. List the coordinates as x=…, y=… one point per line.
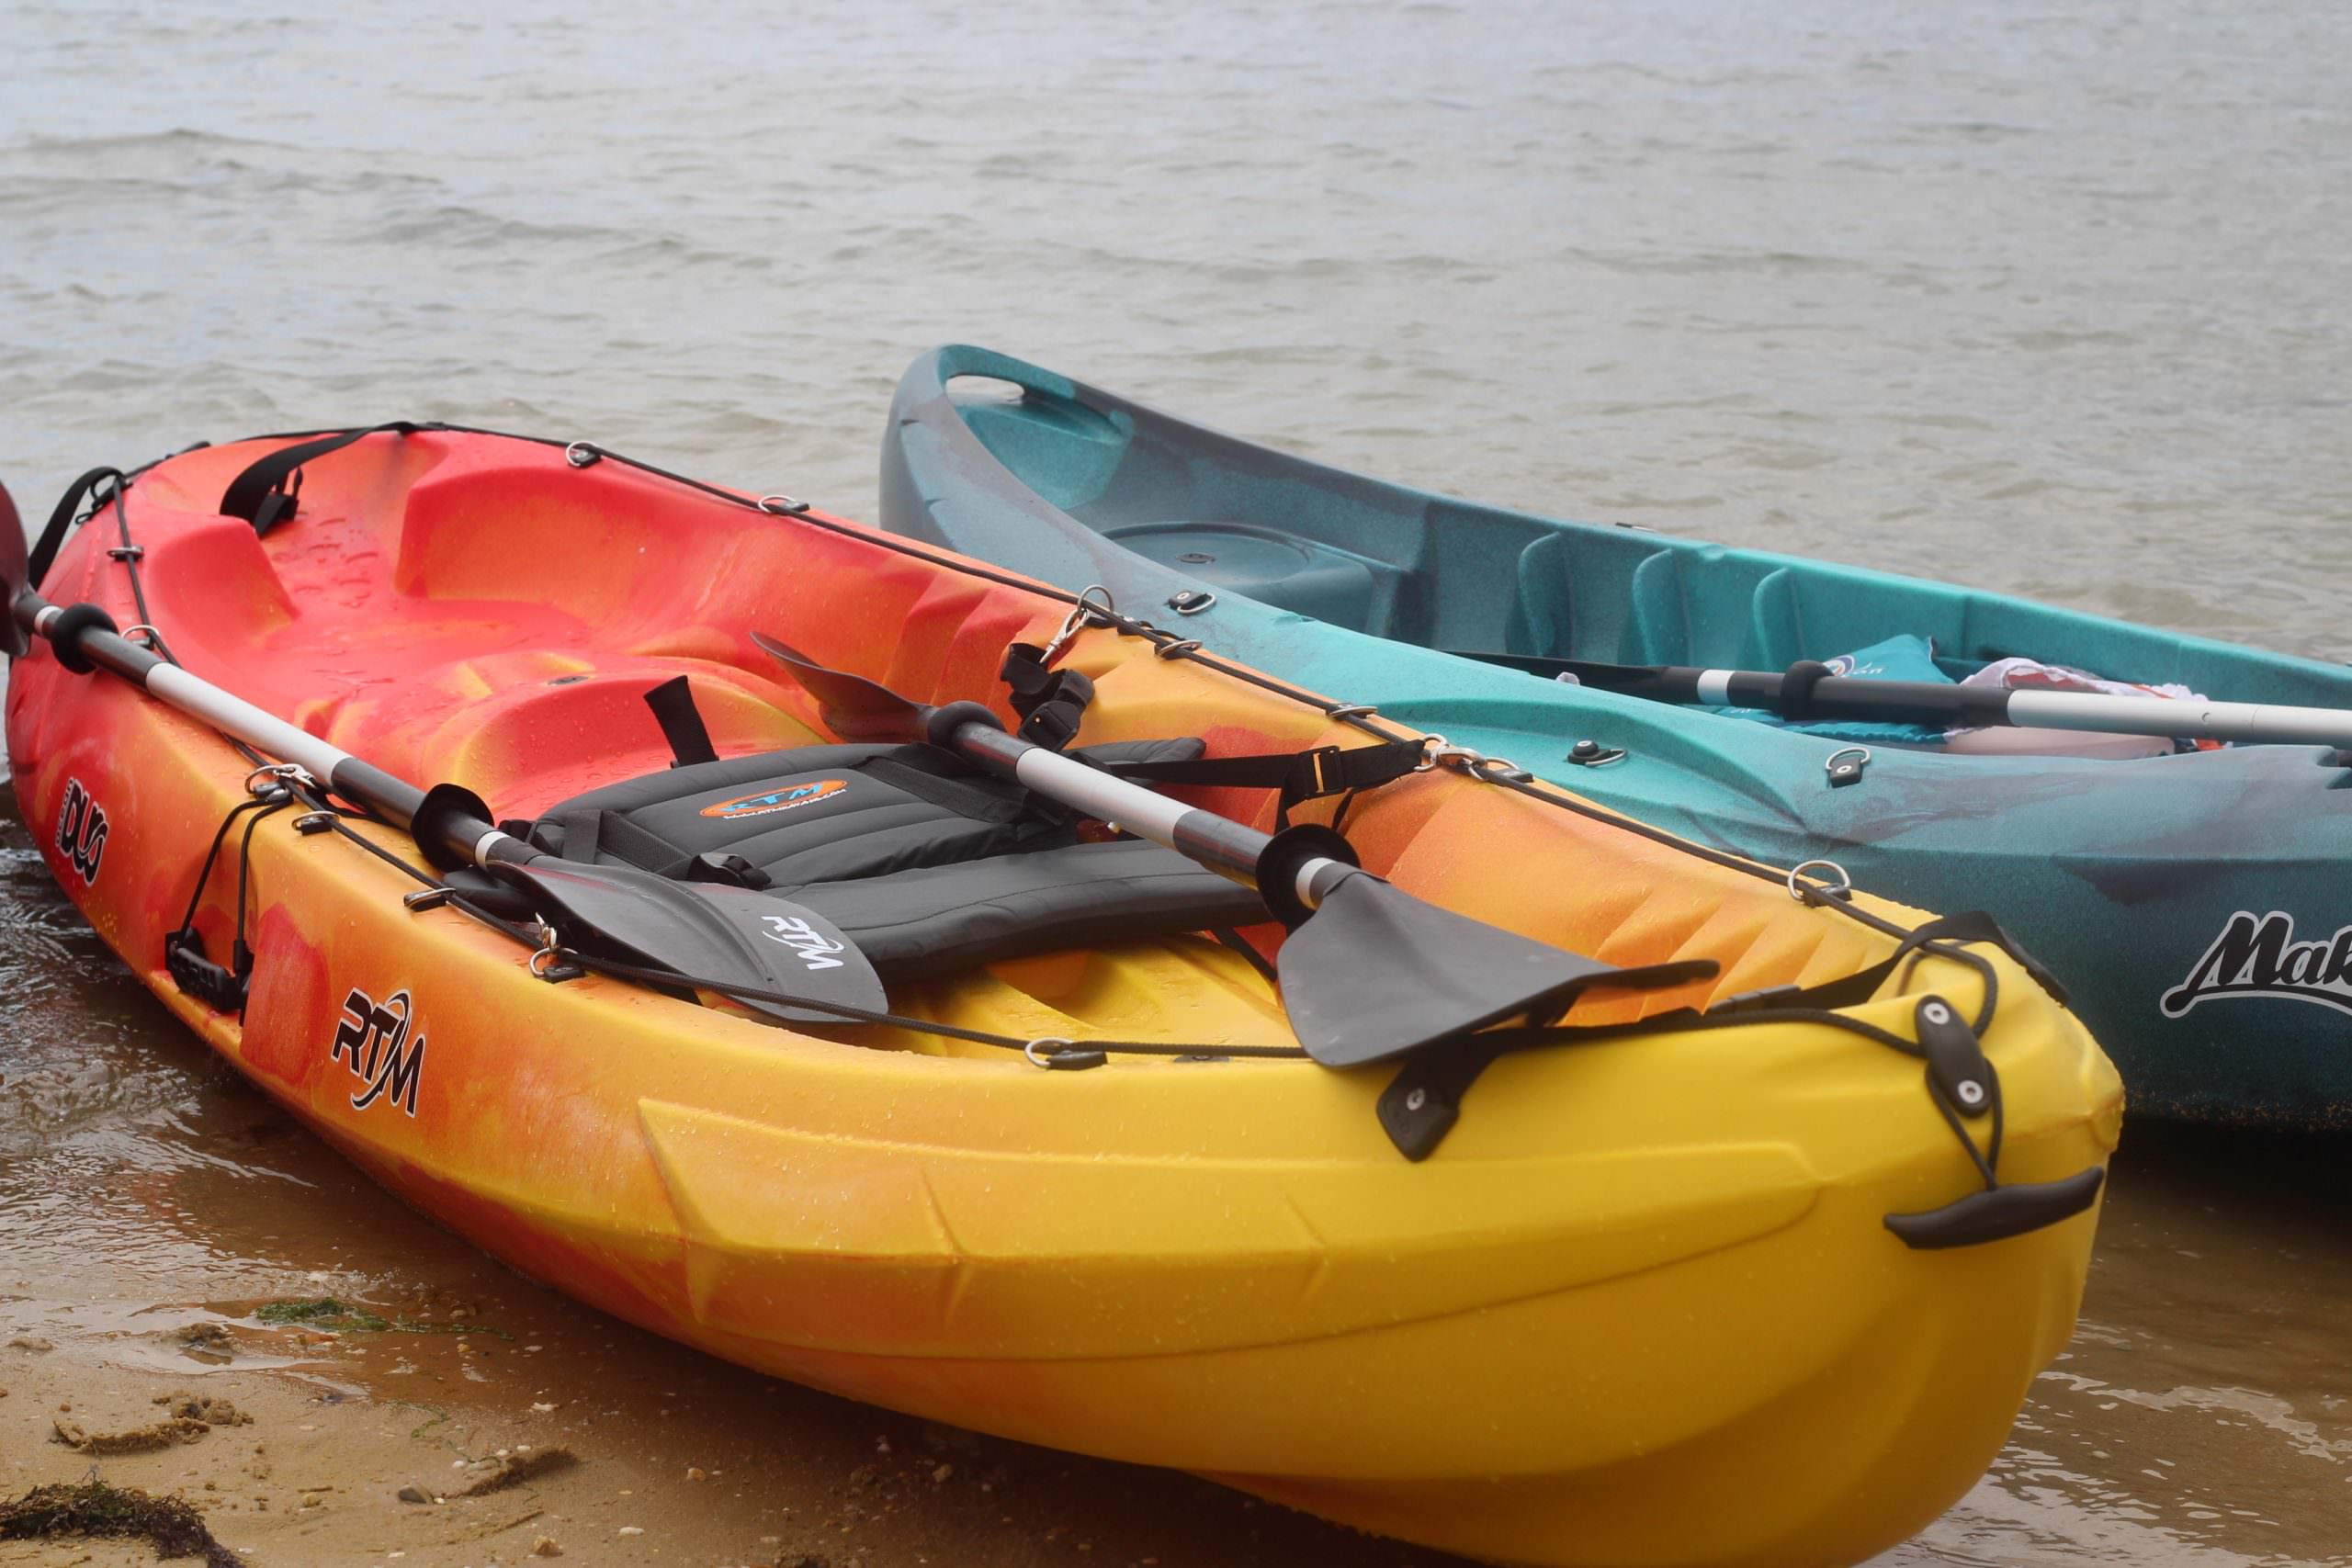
x=930, y=866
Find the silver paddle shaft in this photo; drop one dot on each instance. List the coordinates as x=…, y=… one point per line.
x=2024, y=707
x=2278, y=724
x=1218, y=842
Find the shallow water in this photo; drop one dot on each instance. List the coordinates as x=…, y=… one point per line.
x=2057, y=303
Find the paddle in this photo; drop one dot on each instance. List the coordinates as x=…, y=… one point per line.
x=1807, y=692
x=713, y=931
x=1369, y=972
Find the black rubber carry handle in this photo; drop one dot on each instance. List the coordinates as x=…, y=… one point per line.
x=1999, y=1213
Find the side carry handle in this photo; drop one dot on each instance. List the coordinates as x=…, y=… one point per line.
x=1999, y=1213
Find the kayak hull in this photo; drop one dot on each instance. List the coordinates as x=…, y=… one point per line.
x=2193, y=905
x=1639, y=1270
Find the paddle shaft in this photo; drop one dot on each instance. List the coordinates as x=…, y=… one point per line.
x=1217, y=842
x=1844, y=697
x=466, y=836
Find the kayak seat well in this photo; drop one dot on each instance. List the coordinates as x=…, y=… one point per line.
x=929, y=867
x=1272, y=566
x=1066, y=451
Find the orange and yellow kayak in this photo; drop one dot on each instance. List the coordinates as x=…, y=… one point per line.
x=1641, y=1302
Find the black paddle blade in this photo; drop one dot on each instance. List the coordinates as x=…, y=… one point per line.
x=14, y=640
x=705, y=930
x=855, y=707
x=1375, y=973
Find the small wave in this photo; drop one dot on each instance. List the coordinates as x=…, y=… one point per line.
x=1969, y=130
x=457, y=227
x=669, y=253
x=1694, y=263
x=179, y=139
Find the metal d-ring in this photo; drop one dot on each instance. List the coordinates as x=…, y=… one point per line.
x=1346, y=711
x=1030, y=1049
x=1191, y=600
x=1822, y=888
x=142, y=632
x=781, y=505
x=1846, y=773
x=548, y=948
x=581, y=454
x=1177, y=650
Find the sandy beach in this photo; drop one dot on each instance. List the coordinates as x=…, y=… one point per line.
x=548, y=1431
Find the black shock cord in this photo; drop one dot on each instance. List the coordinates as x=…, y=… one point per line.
x=271, y=799
x=241, y=956
x=204, y=876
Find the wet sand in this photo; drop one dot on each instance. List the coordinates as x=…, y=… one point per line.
x=151, y=1201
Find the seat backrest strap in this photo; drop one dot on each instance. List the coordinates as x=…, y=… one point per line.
x=672, y=703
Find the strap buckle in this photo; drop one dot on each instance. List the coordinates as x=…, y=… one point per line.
x=277, y=504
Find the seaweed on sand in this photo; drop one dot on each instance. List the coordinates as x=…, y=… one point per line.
x=94, y=1509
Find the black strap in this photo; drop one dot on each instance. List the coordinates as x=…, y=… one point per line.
x=590, y=833
x=60, y=521
x=586, y=835
x=1299, y=776
x=264, y=494
x=966, y=796
x=672, y=703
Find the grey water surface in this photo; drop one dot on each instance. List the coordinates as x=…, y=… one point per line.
x=2052, y=300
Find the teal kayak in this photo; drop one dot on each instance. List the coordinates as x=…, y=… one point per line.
x=2194, y=901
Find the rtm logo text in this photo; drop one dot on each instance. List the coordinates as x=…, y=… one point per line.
x=384, y=1044
x=815, y=948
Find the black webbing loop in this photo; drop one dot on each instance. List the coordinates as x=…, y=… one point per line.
x=60, y=521
x=1298, y=776
x=672, y=703
x=264, y=494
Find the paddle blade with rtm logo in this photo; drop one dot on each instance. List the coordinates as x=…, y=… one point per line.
x=703, y=930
